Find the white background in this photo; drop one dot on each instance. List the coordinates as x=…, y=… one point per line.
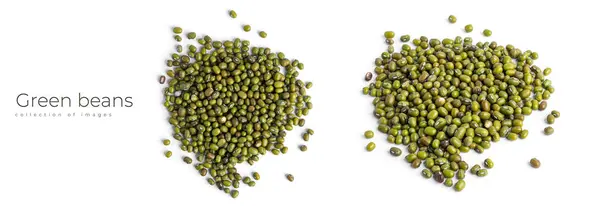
x=118, y=48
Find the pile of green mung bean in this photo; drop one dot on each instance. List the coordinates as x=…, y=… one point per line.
x=231, y=103
x=444, y=97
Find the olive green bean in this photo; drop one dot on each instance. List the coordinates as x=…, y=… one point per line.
x=535, y=163
x=303, y=148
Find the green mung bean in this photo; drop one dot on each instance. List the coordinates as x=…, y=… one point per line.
x=452, y=19
x=289, y=177
x=177, y=30
x=548, y=130
x=448, y=182
x=416, y=164
x=389, y=34
x=475, y=169
x=488, y=163
x=247, y=28
x=550, y=119
x=389, y=42
x=232, y=14
x=191, y=35
x=547, y=71
x=555, y=113
x=448, y=173
x=460, y=174
x=234, y=193
x=305, y=136
x=246, y=180
x=369, y=134
x=487, y=32
x=482, y=173
x=426, y=173
x=370, y=146
x=262, y=34
x=405, y=38
x=187, y=160
x=256, y=176
x=395, y=151
x=284, y=150
x=524, y=134
x=468, y=28
x=301, y=122
x=460, y=185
